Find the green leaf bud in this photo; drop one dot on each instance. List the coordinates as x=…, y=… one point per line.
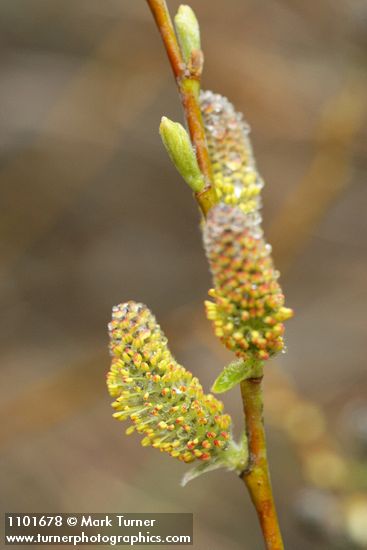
x=177, y=142
x=235, y=372
x=188, y=31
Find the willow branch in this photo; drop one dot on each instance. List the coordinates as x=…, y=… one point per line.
x=187, y=77
x=256, y=476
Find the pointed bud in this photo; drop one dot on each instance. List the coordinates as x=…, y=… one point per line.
x=188, y=31
x=177, y=142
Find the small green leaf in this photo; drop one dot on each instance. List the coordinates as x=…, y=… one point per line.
x=234, y=458
x=235, y=372
x=197, y=471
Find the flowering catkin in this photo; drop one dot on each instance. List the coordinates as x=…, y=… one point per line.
x=248, y=311
x=236, y=179
x=249, y=305
x=161, y=398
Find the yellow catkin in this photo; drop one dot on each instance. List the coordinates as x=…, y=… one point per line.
x=235, y=175
x=162, y=399
x=248, y=309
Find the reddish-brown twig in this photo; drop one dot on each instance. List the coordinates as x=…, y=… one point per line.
x=188, y=82
x=256, y=476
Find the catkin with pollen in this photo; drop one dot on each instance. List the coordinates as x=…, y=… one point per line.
x=236, y=178
x=248, y=309
x=161, y=398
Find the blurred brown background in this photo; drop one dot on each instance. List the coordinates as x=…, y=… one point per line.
x=92, y=214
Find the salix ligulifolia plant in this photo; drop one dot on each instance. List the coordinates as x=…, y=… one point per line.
x=159, y=398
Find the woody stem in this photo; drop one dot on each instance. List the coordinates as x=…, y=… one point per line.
x=257, y=476
x=188, y=82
